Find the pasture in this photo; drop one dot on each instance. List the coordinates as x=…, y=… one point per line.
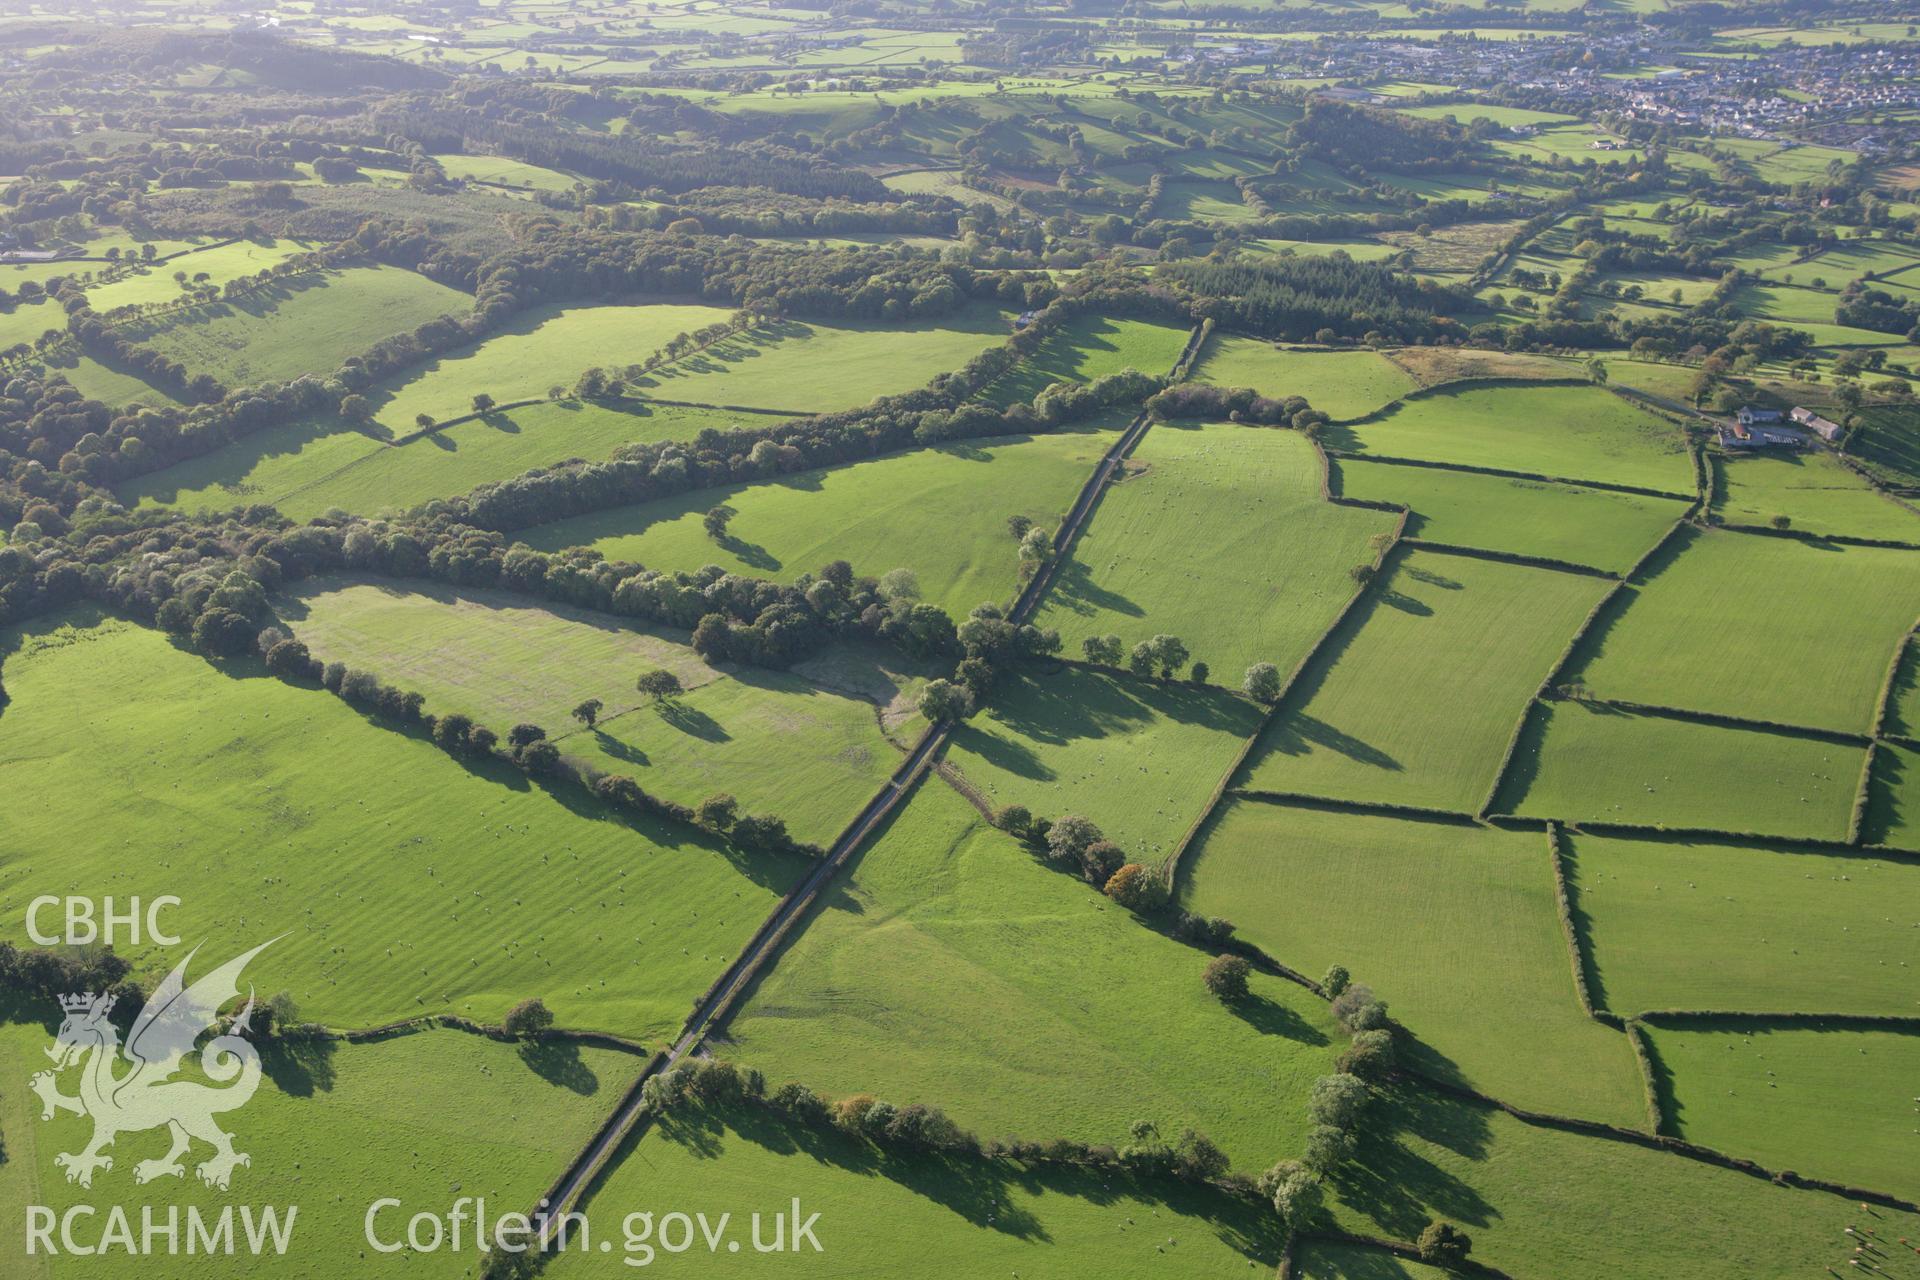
x=1138, y=756
x=408, y=882
x=155, y=283
x=1587, y=762
x=1815, y=492
x=777, y=743
x=1830, y=1101
x=927, y=511
x=1599, y=527
x=1416, y=695
x=1090, y=347
x=950, y=965
x=1341, y=384
x=1568, y=433
x=1776, y=629
x=1808, y=309
x=1893, y=799
x=1812, y=931
x=1474, y=963
x=1218, y=535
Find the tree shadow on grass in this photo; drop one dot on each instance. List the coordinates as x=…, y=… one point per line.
x=1396, y=1184
x=299, y=1067
x=1001, y=752
x=624, y=752
x=558, y=1062
x=1075, y=590
x=751, y=554
x=1299, y=734
x=1271, y=1018
x=692, y=721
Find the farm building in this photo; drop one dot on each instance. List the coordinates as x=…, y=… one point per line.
x=1739, y=435
x=1825, y=428
x=1749, y=416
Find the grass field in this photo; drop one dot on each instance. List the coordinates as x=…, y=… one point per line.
x=111, y=385
x=219, y=264
x=504, y=172
x=1139, y=757
x=943, y=1216
x=1342, y=384
x=1812, y=932
x=409, y=883
x=776, y=742
x=1808, y=309
x=1893, y=799
x=1767, y=628
x=1571, y=433
x=1218, y=535
x=1453, y=926
x=1326, y=1261
x=941, y=513
x=1531, y=1197
x=307, y=468
x=1090, y=347
x=1585, y=762
x=1831, y=1102
x=952, y=966
x=1415, y=698
x=333, y=1128
x=1815, y=492
x=1599, y=527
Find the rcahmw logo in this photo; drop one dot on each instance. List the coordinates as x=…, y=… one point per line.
x=131, y=1088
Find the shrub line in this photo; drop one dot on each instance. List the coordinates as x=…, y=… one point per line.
x=1398, y=1248
x=1785, y=1018
x=1380, y=808
x=1720, y=720
x=1576, y=954
x=1758, y=839
x=1857, y=819
x=453, y=1022
x=1818, y=539
x=1643, y=1054
x=1507, y=474
x=1511, y=557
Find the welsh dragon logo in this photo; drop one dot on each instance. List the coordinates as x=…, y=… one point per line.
x=150, y=1095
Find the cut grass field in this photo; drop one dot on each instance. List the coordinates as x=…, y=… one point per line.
x=1589, y=762
x=1531, y=1196
x=1218, y=535
x=1415, y=697
x=1832, y=1101
x=307, y=468
x=332, y=1128
x=1599, y=527
x=1087, y=348
x=951, y=966
x=1570, y=433
x=305, y=325
x=1139, y=757
x=1797, y=931
x=941, y=513
x=776, y=742
x=1767, y=628
x=1454, y=926
x=942, y=1216
x=1342, y=384
x=1815, y=492
x=408, y=882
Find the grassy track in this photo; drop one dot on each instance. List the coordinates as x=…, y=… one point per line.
x=1580, y=762
x=1415, y=698
x=1816, y=493
x=1344, y=384
x=1575, y=433
x=1088, y=348
x=1139, y=757
x=776, y=742
x=940, y=512
x=1597, y=527
x=1766, y=628
x=1828, y=1102
x=408, y=883
x=1219, y=536
x=953, y=966
x=1474, y=962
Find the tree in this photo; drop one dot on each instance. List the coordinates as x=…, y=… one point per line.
x=1442, y=1244
x=1226, y=977
x=1103, y=650
x=588, y=712
x=1262, y=682
x=539, y=758
x=715, y=521
x=717, y=812
x=1100, y=860
x=1014, y=819
x=1371, y=1055
x=1138, y=889
x=354, y=408
x=1199, y=673
x=223, y=633
x=1169, y=654
x=1336, y=981
x=1140, y=660
x=1070, y=837
x=1359, y=1010
x=524, y=735
x=945, y=700
x=482, y=403
x=1018, y=526
x=659, y=684
x=1327, y=1146
x=1339, y=1100
x=527, y=1019
x=1597, y=370
x=1362, y=574
x=424, y=421
x=1782, y=523
x=1294, y=1190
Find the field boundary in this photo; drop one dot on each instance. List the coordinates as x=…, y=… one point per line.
x=1576, y=950
x=1903, y=1022
x=1506, y=474
x=1509, y=557
x=1649, y=1079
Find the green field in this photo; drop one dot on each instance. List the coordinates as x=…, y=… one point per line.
x=953, y=966
x=1570, y=433
x=1832, y=1101
x=779, y=744
x=1812, y=932
x=941, y=513
x=1893, y=799
x=1815, y=492
x=1453, y=926
x=409, y=882
x=333, y=1128
x=310, y=467
x=155, y=282
x=1598, y=527
x=943, y=1216
x=1767, y=628
x=1218, y=535
x=1342, y=384
x=1415, y=698
x=26, y=321
x=1808, y=309
x=1592, y=762
x=1090, y=347
x=501, y=171
x=1324, y=1261
x=305, y=325
x=1139, y=757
